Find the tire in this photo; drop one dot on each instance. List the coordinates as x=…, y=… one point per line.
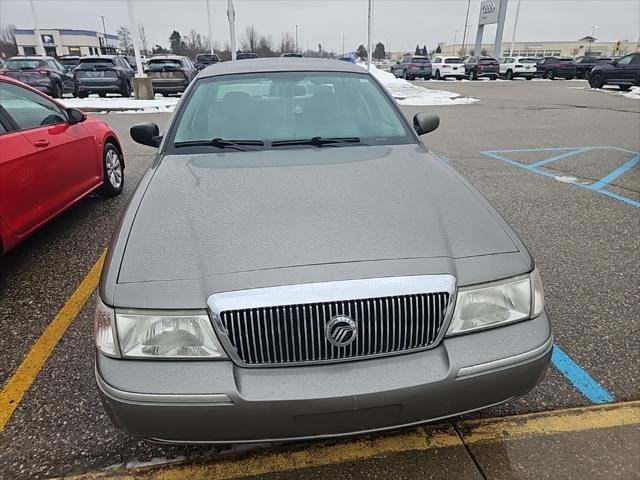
x=473, y=75
x=428, y=77
x=165, y=94
x=438, y=77
x=57, y=91
x=460, y=78
x=509, y=75
x=570, y=77
x=113, y=171
x=624, y=88
x=493, y=77
x=404, y=75
x=596, y=81
x=529, y=78
x=125, y=90
x=550, y=75
x=83, y=94
x=102, y=95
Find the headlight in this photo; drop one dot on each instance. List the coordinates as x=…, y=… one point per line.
x=167, y=335
x=497, y=303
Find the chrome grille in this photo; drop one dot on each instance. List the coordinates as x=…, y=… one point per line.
x=286, y=334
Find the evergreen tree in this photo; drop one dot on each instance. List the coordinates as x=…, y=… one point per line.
x=176, y=44
x=418, y=50
x=361, y=52
x=379, y=52
x=438, y=49
x=424, y=51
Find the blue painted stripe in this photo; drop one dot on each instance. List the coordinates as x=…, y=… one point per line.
x=557, y=149
x=575, y=151
x=616, y=173
x=579, y=378
x=621, y=198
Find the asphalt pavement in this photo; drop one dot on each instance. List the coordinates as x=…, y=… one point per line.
x=586, y=244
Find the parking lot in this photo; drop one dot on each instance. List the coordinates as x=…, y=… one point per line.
x=557, y=160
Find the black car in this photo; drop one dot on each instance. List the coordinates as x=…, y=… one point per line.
x=586, y=63
x=623, y=71
x=412, y=66
x=170, y=74
x=205, y=59
x=69, y=62
x=292, y=55
x=246, y=55
x=43, y=73
x=102, y=75
x=553, y=67
x=479, y=66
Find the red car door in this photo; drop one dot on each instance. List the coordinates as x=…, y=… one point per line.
x=22, y=198
x=66, y=153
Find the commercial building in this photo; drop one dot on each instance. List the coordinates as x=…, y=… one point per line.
x=555, y=49
x=65, y=41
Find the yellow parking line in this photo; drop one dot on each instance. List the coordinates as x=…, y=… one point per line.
x=18, y=384
x=546, y=423
x=429, y=437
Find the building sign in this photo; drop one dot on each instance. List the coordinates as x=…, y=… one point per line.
x=533, y=46
x=489, y=12
x=47, y=39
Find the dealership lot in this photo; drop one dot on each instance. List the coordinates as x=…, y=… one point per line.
x=586, y=243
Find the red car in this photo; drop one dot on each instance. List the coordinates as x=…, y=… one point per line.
x=50, y=158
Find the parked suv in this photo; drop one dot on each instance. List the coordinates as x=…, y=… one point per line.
x=412, y=66
x=69, y=62
x=170, y=74
x=552, y=67
x=476, y=67
x=246, y=56
x=102, y=75
x=205, y=59
x=624, y=72
x=586, y=63
x=42, y=73
x=513, y=67
x=448, y=67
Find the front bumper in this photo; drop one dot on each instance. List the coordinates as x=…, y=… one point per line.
x=219, y=402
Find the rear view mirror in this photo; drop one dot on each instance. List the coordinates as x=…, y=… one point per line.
x=425, y=122
x=146, y=134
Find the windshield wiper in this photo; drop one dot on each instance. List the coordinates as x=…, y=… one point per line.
x=316, y=141
x=240, y=145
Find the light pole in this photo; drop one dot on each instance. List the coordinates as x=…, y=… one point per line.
x=515, y=24
x=455, y=36
x=343, y=44
x=36, y=28
x=369, y=35
x=210, y=26
x=593, y=32
x=231, y=15
x=464, y=34
x=296, y=50
x=307, y=52
x=136, y=39
x=104, y=30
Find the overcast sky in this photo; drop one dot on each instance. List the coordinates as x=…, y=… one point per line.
x=398, y=23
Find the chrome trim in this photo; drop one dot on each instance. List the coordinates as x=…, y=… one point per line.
x=509, y=361
x=330, y=293
x=189, y=398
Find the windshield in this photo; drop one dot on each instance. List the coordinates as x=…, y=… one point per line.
x=161, y=62
x=95, y=62
x=206, y=58
x=527, y=60
x=289, y=106
x=420, y=60
x=488, y=60
x=453, y=60
x=23, y=64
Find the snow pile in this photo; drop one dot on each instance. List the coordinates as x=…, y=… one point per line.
x=94, y=103
x=634, y=93
x=409, y=94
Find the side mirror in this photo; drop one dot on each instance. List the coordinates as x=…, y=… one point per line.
x=425, y=122
x=146, y=134
x=397, y=62
x=615, y=62
x=76, y=116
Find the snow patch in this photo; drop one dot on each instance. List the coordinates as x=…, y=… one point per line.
x=634, y=93
x=564, y=179
x=147, y=463
x=409, y=94
x=122, y=104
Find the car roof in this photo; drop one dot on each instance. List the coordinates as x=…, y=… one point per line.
x=163, y=57
x=25, y=57
x=280, y=64
x=93, y=57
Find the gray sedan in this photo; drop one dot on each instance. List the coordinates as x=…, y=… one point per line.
x=297, y=264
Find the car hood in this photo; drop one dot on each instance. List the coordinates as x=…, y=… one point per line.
x=222, y=213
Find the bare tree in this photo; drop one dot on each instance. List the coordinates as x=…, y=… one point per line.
x=143, y=38
x=196, y=43
x=287, y=44
x=250, y=40
x=8, y=45
x=124, y=39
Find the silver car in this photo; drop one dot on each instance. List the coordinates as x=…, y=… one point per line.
x=297, y=264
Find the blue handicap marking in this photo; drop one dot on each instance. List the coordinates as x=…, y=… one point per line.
x=579, y=378
x=551, y=155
